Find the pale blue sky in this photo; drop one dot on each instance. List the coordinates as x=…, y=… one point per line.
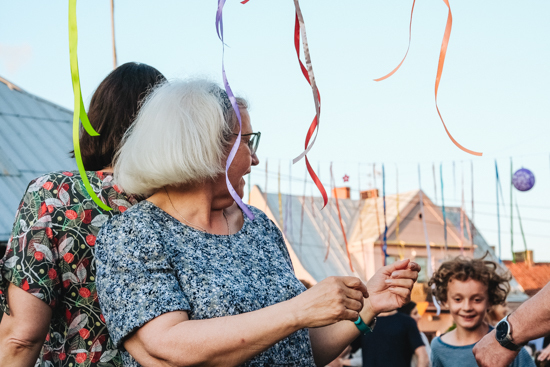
x=493, y=94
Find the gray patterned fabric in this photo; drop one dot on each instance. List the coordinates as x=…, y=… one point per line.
x=149, y=263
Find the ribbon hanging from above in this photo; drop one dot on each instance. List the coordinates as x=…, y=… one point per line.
x=233, y=152
x=385, y=247
x=521, y=228
x=406, y=53
x=300, y=33
x=303, y=208
x=79, y=109
x=443, y=207
x=442, y=55
x=498, y=213
x=375, y=197
x=398, y=219
x=429, y=269
x=280, y=202
x=462, y=218
x=512, y=211
x=340, y=217
x=472, y=233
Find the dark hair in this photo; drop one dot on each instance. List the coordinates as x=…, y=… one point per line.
x=407, y=308
x=462, y=269
x=113, y=107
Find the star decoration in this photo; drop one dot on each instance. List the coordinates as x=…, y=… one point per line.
x=346, y=178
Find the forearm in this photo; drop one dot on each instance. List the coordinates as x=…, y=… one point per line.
x=223, y=341
x=422, y=354
x=329, y=341
x=532, y=319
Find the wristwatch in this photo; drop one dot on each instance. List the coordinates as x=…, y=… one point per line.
x=364, y=328
x=504, y=335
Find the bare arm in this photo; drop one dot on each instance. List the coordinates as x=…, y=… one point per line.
x=22, y=333
x=530, y=321
x=422, y=354
x=173, y=340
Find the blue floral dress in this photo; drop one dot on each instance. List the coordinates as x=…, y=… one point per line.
x=149, y=263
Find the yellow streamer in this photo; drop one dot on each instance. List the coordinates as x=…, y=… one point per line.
x=79, y=109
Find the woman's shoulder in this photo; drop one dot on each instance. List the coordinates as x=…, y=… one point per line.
x=143, y=214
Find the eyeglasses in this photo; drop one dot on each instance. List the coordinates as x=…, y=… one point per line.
x=253, y=142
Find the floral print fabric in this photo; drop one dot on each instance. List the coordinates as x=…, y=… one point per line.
x=50, y=255
x=149, y=263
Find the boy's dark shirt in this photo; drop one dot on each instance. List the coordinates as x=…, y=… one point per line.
x=392, y=343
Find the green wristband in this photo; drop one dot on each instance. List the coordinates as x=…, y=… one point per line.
x=363, y=328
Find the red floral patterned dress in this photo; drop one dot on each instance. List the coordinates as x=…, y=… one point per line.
x=50, y=255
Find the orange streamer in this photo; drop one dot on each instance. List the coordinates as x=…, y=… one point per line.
x=406, y=53
x=442, y=55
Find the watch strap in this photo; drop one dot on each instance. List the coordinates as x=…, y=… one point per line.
x=364, y=328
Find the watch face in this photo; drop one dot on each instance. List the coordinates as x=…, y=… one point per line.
x=502, y=330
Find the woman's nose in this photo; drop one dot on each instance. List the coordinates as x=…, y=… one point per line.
x=255, y=160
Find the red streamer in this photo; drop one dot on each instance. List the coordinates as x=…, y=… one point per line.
x=314, y=123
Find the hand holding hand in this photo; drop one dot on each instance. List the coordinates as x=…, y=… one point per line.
x=390, y=287
x=489, y=353
x=332, y=300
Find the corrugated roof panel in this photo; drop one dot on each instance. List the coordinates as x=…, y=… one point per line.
x=35, y=138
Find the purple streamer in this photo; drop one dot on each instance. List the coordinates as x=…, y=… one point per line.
x=236, y=197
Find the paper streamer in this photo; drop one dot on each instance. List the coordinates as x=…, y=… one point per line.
x=359, y=207
x=427, y=239
x=498, y=214
x=385, y=247
x=265, y=193
x=512, y=212
x=288, y=217
x=233, y=152
x=442, y=55
x=280, y=199
x=443, y=207
x=303, y=209
x=376, y=201
x=472, y=221
x=435, y=184
x=300, y=32
x=398, y=219
x=79, y=109
x=408, y=47
x=340, y=219
x=462, y=218
x=521, y=228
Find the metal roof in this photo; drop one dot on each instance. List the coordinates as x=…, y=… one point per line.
x=308, y=237
x=35, y=138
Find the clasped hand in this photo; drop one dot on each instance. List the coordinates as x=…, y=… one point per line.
x=343, y=298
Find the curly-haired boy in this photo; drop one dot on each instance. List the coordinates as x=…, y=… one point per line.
x=468, y=287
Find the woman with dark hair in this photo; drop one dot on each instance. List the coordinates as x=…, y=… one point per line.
x=47, y=288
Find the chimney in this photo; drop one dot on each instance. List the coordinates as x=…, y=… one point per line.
x=367, y=194
x=524, y=256
x=341, y=192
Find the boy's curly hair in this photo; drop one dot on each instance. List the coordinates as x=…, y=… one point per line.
x=462, y=268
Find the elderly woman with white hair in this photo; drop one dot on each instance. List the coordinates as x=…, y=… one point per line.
x=186, y=279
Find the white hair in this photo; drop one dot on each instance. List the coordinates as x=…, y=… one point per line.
x=180, y=136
